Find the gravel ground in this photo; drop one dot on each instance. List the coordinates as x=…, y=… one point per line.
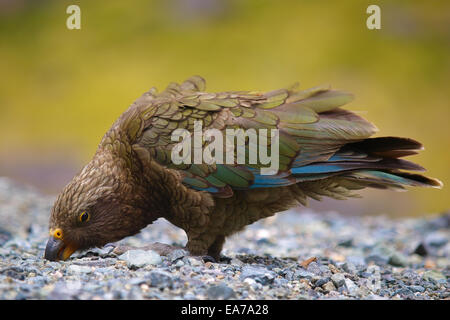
x=290, y=256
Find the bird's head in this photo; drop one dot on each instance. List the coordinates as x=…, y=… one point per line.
x=92, y=210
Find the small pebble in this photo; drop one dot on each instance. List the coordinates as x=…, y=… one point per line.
x=398, y=260
x=329, y=286
x=416, y=288
x=434, y=276
x=351, y=287
x=338, y=279
x=220, y=291
x=79, y=269
x=321, y=281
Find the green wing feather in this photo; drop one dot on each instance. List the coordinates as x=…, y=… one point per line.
x=311, y=123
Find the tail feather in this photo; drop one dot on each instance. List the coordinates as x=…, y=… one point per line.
x=388, y=147
x=392, y=180
x=357, y=166
x=342, y=166
x=373, y=162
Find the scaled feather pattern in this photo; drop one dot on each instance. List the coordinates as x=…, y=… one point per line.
x=324, y=150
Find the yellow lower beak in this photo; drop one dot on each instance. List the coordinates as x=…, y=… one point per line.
x=57, y=249
x=68, y=250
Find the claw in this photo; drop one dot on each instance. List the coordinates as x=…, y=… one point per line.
x=225, y=259
x=208, y=259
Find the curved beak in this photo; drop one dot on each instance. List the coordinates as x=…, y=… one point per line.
x=57, y=249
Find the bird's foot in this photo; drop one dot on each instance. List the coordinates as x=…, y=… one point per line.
x=225, y=259
x=220, y=259
x=207, y=258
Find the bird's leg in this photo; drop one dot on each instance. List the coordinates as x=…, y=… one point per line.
x=216, y=248
x=207, y=246
x=198, y=247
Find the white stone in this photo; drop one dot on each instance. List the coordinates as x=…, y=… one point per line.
x=140, y=258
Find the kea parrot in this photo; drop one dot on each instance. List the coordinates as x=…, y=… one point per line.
x=131, y=181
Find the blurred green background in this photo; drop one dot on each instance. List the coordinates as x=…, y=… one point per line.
x=61, y=89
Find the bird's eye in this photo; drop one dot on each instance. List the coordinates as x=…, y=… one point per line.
x=84, y=217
